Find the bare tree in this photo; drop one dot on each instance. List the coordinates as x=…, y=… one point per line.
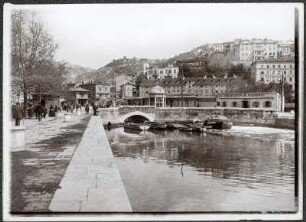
x=32, y=50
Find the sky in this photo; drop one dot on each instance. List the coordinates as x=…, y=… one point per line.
x=92, y=35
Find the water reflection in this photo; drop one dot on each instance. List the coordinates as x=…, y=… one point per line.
x=195, y=163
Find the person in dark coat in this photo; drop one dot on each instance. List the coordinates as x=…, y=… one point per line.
x=94, y=107
x=87, y=109
x=39, y=111
x=17, y=114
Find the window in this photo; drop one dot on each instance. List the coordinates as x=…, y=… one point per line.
x=267, y=104
x=255, y=104
x=218, y=103
x=224, y=104
x=273, y=66
x=279, y=66
x=262, y=79
x=267, y=66
x=174, y=71
x=234, y=104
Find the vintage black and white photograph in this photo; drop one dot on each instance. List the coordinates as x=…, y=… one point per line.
x=162, y=111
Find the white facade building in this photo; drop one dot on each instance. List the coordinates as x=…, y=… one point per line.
x=274, y=70
x=169, y=72
x=286, y=48
x=218, y=47
x=257, y=49
x=255, y=100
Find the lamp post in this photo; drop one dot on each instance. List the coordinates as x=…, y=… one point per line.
x=282, y=93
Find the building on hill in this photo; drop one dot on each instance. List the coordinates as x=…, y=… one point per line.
x=274, y=71
x=218, y=47
x=286, y=49
x=156, y=72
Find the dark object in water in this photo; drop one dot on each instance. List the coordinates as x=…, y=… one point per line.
x=218, y=122
x=157, y=125
x=136, y=126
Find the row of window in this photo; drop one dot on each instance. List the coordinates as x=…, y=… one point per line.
x=169, y=71
x=276, y=79
x=279, y=72
x=275, y=66
x=254, y=104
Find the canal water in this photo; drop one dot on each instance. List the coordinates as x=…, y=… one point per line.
x=249, y=169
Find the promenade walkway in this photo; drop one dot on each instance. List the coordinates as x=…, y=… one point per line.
x=92, y=182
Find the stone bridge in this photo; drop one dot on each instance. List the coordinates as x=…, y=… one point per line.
x=261, y=116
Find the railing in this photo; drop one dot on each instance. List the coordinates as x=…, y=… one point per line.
x=128, y=109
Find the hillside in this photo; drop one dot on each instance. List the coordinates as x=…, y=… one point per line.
x=76, y=72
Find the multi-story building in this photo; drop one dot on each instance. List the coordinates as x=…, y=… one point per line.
x=128, y=90
x=97, y=91
x=103, y=91
x=286, y=49
x=78, y=95
x=121, y=80
x=274, y=70
x=218, y=47
x=191, y=91
x=257, y=49
x=155, y=72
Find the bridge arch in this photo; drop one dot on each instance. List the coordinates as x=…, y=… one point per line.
x=149, y=116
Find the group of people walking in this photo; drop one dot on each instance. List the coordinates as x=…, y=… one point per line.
x=40, y=111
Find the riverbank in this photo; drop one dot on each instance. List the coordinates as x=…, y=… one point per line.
x=37, y=170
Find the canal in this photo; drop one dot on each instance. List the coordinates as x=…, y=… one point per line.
x=249, y=169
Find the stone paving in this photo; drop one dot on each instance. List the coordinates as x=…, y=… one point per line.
x=92, y=182
x=37, y=169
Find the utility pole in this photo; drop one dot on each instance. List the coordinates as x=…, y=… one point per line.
x=182, y=84
x=282, y=94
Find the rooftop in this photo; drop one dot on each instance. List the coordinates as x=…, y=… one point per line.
x=275, y=60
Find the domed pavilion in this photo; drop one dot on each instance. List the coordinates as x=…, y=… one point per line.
x=158, y=93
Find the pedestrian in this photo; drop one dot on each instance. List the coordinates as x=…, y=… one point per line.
x=94, y=107
x=17, y=114
x=39, y=112
x=87, y=109
x=45, y=111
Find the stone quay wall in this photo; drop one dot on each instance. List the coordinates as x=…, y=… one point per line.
x=237, y=115
x=257, y=116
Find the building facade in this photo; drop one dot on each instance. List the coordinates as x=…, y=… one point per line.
x=258, y=49
x=286, y=49
x=97, y=91
x=155, y=72
x=121, y=80
x=274, y=71
x=218, y=47
x=128, y=90
x=191, y=92
x=258, y=100
x=78, y=95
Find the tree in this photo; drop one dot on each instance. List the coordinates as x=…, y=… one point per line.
x=32, y=54
x=138, y=81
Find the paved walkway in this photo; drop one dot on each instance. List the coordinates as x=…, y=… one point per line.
x=92, y=182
